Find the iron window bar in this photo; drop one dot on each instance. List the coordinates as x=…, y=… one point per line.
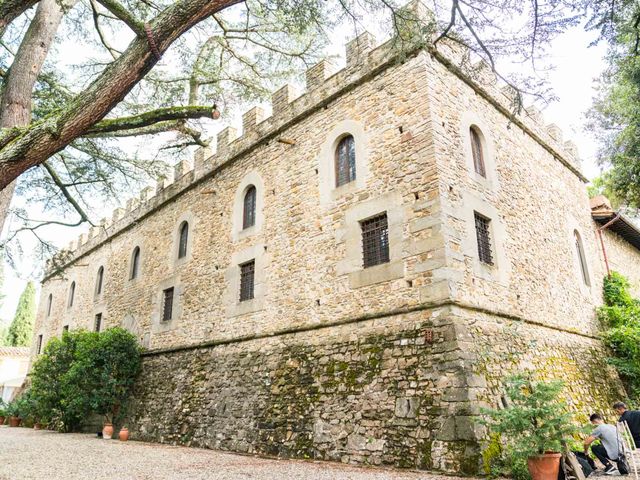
x=375, y=240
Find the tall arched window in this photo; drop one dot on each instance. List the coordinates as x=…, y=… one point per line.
x=49, y=303
x=345, y=160
x=581, y=258
x=476, y=151
x=99, y=280
x=182, y=241
x=135, y=263
x=72, y=292
x=249, y=208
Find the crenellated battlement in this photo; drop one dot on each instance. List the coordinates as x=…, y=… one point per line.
x=364, y=59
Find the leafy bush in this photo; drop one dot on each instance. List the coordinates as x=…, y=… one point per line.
x=621, y=317
x=533, y=422
x=84, y=373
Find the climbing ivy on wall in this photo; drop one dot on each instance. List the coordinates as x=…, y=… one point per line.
x=620, y=317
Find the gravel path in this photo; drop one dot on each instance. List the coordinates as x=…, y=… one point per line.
x=27, y=454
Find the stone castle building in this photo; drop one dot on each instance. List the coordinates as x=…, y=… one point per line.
x=353, y=277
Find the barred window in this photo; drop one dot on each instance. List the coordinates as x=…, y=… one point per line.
x=72, y=292
x=49, y=304
x=483, y=236
x=249, y=209
x=375, y=240
x=247, y=279
x=135, y=263
x=477, y=152
x=345, y=161
x=184, y=238
x=39, y=345
x=97, y=322
x=167, y=304
x=581, y=258
x=99, y=280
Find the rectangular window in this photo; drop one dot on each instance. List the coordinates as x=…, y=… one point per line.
x=247, y=278
x=375, y=240
x=167, y=304
x=483, y=236
x=65, y=329
x=39, y=347
x=97, y=324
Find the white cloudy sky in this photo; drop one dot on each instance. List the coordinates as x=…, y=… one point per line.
x=577, y=66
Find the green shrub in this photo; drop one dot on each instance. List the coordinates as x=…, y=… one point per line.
x=621, y=318
x=84, y=373
x=534, y=421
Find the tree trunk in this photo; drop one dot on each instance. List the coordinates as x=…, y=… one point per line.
x=15, y=106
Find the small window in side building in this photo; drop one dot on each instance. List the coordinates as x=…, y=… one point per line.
x=249, y=208
x=39, y=345
x=97, y=324
x=581, y=258
x=72, y=292
x=483, y=237
x=65, y=329
x=375, y=240
x=345, y=161
x=477, y=151
x=167, y=304
x=135, y=263
x=49, y=303
x=247, y=279
x=99, y=280
x=183, y=240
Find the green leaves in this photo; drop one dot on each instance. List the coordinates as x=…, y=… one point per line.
x=21, y=329
x=85, y=373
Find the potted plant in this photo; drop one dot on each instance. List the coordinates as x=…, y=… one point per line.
x=124, y=434
x=13, y=412
x=3, y=411
x=534, y=425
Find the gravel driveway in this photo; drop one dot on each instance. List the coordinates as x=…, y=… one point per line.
x=27, y=454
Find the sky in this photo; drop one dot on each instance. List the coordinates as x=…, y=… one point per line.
x=573, y=79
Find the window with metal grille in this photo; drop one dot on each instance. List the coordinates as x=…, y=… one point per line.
x=49, y=303
x=581, y=258
x=72, y=292
x=345, y=161
x=184, y=238
x=97, y=323
x=167, y=304
x=247, y=278
x=483, y=236
x=99, y=279
x=65, y=329
x=375, y=240
x=39, y=347
x=249, y=208
x=135, y=263
x=477, y=152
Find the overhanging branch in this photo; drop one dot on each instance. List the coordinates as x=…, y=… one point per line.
x=123, y=14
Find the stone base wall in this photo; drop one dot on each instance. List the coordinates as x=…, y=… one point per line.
x=403, y=390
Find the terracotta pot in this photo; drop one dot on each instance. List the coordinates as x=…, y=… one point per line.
x=544, y=467
x=1, y=420
x=14, y=421
x=124, y=434
x=107, y=431
x=37, y=426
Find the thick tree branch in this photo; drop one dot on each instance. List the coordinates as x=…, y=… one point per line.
x=123, y=14
x=51, y=135
x=11, y=9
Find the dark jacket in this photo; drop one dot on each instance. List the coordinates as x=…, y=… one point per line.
x=632, y=417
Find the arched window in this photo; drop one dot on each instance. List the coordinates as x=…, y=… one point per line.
x=581, y=258
x=99, y=280
x=345, y=161
x=135, y=263
x=49, y=303
x=249, y=208
x=476, y=151
x=72, y=292
x=184, y=238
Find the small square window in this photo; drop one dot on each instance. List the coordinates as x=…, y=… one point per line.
x=483, y=237
x=375, y=240
x=97, y=323
x=167, y=304
x=65, y=329
x=247, y=279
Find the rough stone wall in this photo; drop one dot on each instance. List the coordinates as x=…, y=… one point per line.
x=623, y=258
x=376, y=392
